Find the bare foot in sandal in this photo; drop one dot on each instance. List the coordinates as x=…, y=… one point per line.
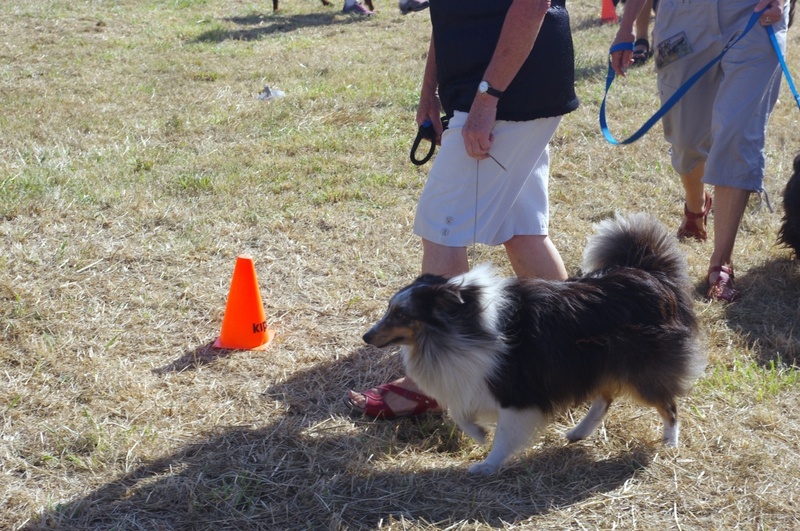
x=401, y=398
x=641, y=51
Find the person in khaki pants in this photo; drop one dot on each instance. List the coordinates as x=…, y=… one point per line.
x=717, y=130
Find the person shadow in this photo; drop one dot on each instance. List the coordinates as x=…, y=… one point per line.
x=766, y=315
x=257, y=26
x=311, y=467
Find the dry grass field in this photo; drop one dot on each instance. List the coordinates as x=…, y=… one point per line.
x=136, y=163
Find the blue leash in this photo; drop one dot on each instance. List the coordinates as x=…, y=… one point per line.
x=686, y=86
x=784, y=67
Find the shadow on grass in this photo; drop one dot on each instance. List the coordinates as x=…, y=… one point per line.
x=597, y=72
x=257, y=26
x=309, y=469
x=202, y=355
x=767, y=312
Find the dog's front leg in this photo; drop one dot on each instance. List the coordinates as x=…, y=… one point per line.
x=515, y=427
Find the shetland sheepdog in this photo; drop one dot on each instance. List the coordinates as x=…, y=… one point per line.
x=789, y=233
x=514, y=352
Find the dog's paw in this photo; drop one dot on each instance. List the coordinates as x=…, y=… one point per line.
x=575, y=435
x=482, y=469
x=670, y=438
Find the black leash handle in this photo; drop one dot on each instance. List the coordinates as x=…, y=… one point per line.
x=427, y=132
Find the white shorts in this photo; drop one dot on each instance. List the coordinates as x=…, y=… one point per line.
x=467, y=201
x=722, y=119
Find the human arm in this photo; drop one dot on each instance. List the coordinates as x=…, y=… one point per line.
x=430, y=108
x=621, y=60
x=517, y=37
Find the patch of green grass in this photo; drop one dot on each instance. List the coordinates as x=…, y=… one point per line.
x=745, y=380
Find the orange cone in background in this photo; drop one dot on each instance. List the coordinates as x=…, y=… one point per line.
x=244, y=326
x=608, y=13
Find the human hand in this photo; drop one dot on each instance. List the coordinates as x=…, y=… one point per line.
x=773, y=13
x=621, y=60
x=477, y=130
x=430, y=110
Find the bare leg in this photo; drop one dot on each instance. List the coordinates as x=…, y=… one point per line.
x=442, y=260
x=535, y=257
x=729, y=207
x=695, y=217
x=642, y=30
x=642, y=24
x=693, y=188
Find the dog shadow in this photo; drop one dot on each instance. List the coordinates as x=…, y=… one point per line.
x=257, y=26
x=767, y=313
x=310, y=469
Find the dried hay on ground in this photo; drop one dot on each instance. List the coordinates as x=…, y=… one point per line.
x=136, y=163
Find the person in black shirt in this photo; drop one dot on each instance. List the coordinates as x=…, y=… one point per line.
x=502, y=72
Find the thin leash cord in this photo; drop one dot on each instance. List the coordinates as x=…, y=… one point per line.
x=475, y=217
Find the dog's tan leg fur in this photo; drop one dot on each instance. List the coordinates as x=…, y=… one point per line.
x=592, y=420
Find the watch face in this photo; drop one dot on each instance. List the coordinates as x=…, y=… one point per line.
x=483, y=86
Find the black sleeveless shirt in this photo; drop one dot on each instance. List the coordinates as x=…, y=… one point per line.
x=465, y=34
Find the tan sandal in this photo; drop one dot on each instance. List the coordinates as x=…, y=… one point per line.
x=689, y=227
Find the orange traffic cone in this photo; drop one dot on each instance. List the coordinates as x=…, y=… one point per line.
x=608, y=12
x=244, y=326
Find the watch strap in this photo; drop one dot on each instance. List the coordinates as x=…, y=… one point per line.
x=491, y=91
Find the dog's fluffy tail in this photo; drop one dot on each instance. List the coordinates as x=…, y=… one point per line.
x=639, y=241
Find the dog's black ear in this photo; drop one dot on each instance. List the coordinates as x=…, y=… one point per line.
x=797, y=163
x=438, y=297
x=439, y=287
